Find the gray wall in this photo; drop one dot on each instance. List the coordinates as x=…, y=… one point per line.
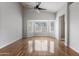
x=31, y=14
x=10, y=23
x=62, y=11
x=74, y=26
x=58, y=15
x=71, y=25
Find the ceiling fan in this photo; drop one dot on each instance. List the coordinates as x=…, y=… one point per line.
x=37, y=7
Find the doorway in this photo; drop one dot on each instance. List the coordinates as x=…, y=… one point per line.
x=62, y=30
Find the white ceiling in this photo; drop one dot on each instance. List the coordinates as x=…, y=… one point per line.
x=50, y=6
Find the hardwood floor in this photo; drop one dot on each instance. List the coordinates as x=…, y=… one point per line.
x=22, y=48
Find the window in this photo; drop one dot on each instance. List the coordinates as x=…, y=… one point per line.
x=52, y=26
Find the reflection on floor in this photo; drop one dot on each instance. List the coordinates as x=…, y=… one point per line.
x=40, y=46
x=37, y=46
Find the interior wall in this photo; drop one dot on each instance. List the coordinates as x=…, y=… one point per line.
x=31, y=14
x=71, y=25
x=62, y=11
x=10, y=23
x=74, y=26
x=58, y=15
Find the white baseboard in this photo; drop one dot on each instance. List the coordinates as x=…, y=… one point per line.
x=9, y=43
x=74, y=49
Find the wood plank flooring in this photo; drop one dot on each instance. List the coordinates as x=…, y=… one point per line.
x=20, y=48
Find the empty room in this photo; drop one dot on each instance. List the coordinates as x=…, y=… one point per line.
x=39, y=28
